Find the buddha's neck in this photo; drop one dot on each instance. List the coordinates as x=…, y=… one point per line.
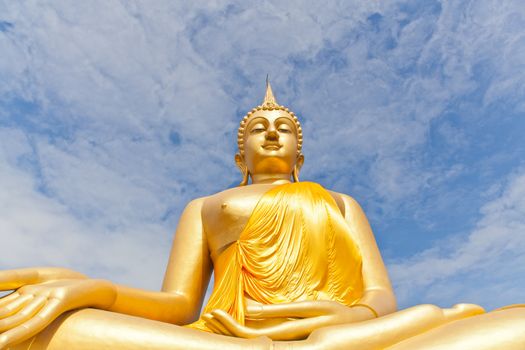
x=275, y=179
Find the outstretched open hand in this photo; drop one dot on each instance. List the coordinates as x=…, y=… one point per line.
x=305, y=316
x=31, y=307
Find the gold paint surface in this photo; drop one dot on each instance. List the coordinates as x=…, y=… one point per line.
x=296, y=267
x=296, y=246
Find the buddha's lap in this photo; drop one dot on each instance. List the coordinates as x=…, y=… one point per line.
x=412, y=330
x=504, y=329
x=98, y=329
x=91, y=328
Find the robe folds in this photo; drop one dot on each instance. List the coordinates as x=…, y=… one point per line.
x=296, y=246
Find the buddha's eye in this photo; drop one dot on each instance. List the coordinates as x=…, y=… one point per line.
x=284, y=128
x=257, y=129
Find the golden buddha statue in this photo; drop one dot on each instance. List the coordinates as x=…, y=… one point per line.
x=296, y=266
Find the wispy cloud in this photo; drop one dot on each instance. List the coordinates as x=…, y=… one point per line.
x=115, y=114
x=486, y=267
x=36, y=228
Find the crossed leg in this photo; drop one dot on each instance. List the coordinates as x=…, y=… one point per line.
x=424, y=327
x=90, y=329
x=419, y=327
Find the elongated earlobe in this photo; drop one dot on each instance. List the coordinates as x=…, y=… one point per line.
x=239, y=161
x=297, y=167
x=295, y=174
x=245, y=177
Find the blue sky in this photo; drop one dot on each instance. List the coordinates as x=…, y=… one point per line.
x=113, y=115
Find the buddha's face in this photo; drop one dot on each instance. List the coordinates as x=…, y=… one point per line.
x=270, y=143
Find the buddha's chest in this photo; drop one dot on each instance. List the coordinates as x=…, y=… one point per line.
x=226, y=215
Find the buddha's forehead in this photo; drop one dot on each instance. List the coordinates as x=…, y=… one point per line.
x=270, y=116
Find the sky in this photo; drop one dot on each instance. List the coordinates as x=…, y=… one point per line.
x=115, y=114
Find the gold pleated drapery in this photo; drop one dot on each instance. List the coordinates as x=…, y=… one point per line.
x=296, y=246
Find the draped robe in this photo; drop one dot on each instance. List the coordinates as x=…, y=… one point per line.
x=295, y=246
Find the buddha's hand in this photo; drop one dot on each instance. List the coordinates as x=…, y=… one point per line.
x=306, y=316
x=14, y=279
x=31, y=308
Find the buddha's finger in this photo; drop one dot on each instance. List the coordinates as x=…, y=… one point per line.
x=14, y=279
x=33, y=326
x=233, y=326
x=213, y=328
x=215, y=325
x=8, y=298
x=58, y=273
x=297, y=329
x=24, y=314
x=302, y=309
x=15, y=305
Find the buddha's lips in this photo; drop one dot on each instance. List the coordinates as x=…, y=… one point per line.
x=272, y=146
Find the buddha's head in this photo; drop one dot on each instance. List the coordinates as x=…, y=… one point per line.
x=270, y=140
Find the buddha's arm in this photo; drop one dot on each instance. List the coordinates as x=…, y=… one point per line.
x=14, y=279
x=185, y=281
x=378, y=290
x=160, y=306
x=43, y=294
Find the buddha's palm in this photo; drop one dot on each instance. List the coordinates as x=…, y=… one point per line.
x=303, y=318
x=41, y=295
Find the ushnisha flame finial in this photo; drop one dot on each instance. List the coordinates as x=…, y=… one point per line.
x=269, y=104
x=269, y=98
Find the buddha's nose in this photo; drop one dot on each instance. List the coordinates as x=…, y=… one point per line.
x=272, y=135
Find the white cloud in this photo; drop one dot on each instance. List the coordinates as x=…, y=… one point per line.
x=109, y=82
x=117, y=69
x=486, y=266
x=38, y=230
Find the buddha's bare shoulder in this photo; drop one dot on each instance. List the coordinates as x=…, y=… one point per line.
x=235, y=198
x=229, y=192
x=241, y=192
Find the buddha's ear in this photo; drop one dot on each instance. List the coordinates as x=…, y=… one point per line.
x=297, y=168
x=241, y=164
x=300, y=161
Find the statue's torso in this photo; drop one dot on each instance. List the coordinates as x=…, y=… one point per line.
x=226, y=213
x=266, y=223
